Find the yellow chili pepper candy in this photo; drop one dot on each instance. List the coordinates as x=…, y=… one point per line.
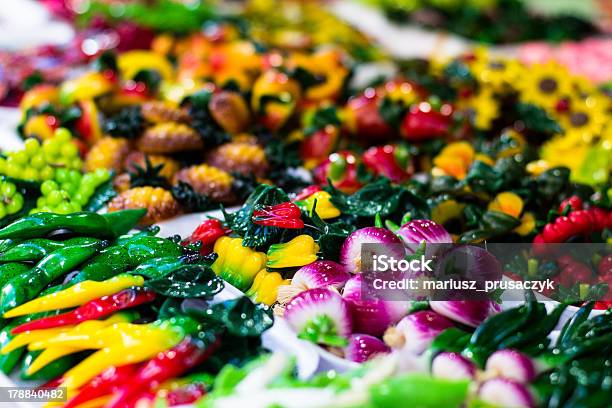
x=537, y=167
x=113, y=356
x=454, y=160
x=76, y=295
x=528, y=224
x=326, y=64
x=26, y=338
x=49, y=355
x=39, y=126
x=237, y=264
x=39, y=95
x=87, y=86
x=134, y=344
x=507, y=203
x=484, y=158
x=84, y=335
x=446, y=211
x=34, y=337
x=324, y=209
x=265, y=287
x=133, y=61
x=285, y=93
x=300, y=251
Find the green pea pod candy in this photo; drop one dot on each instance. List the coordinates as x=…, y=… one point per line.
x=38, y=225
x=25, y=287
x=421, y=390
x=36, y=249
x=52, y=370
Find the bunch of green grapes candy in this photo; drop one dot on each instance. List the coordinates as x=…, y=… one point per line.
x=57, y=165
x=36, y=162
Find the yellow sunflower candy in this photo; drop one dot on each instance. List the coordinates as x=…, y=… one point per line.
x=545, y=85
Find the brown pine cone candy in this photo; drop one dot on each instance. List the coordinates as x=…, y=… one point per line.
x=230, y=111
x=107, y=153
x=135, y=158
x=167, y=138
x=163, y=112
x=240, y=157
x=208, y=180
x=159, y=202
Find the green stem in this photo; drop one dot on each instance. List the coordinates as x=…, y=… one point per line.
x=322, y=330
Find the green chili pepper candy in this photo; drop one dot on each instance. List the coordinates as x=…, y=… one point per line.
x=148, y=232
x=419, y=391
x=25, y=287
x=109, y=262
x=31, y=250
x=144, y=248
x=6, y=244
x=9, y=270
x=156, y=268
x=121, y=222
x=35, y=249
x=9, y=360
x=121, y=258
x=110, y=225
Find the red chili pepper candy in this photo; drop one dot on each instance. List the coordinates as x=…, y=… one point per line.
x=422, y=122
x=539, y=246
x=603, y=305
x=168, y=364
x=285, y=215
x=207, y=233
x=600, y=218
x=364, y=114
x=582, y=221
x=107, y=382
x=573, y=272
x=94, y=309
x=574, y=202
x=341, y=169
x=307, y=192
x=316, y=147
x=382, y=160
x=604, y=269
x=550, y=234
x=187, y=394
